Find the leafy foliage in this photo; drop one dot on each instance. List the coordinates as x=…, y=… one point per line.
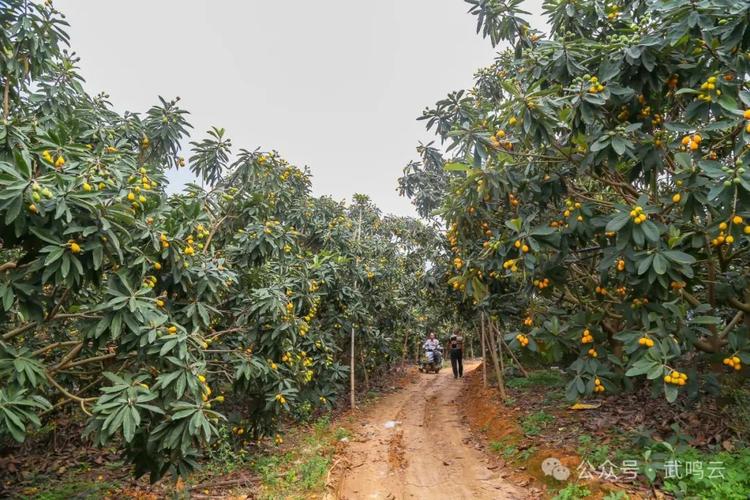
x=596, y=191
x=162, y=317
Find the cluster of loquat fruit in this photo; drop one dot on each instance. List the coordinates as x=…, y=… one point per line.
x=150, y=281
x=135, y=194
x=638, y=215
x=313, y=310
x=586, y=337
x=57, y=161
x=636, y=303
x=519, y=244
x=522, y=339
x=304, y=327
x=595, y=86
x=733, y=362
x=510, y=264
x=37, y=192
x=598, y=387
x=708, y=90
x=542, y=283
x=728, y=239
x=206, y=391
x=646, y=341
x=570, y=207
x=691, y=142
x=499, y=140
x=676, y=378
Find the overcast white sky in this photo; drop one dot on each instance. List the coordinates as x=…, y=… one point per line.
x=336, y=85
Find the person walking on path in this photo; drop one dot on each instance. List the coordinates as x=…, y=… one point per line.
x=456, y=344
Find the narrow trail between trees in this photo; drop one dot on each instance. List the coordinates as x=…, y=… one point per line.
x=413, y=444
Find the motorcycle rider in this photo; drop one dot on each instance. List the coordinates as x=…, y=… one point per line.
x=431, y=346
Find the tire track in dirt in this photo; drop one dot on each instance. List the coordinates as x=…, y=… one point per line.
x=427, y=454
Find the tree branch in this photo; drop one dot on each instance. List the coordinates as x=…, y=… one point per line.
x=741, y=306
x=64, y=391
x=71, y=354
x=92, y=359
x=6, y=99
x=7, y=266
x=28, y=326
x=737, y=318
x=54, y=346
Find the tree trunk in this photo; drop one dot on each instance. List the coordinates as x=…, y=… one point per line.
x=500, y=343
x=352, y=400
x=484, y=354
x=364, y=371
x=496, y=364
x=406, y=351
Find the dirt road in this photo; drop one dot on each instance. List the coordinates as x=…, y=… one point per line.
x=412, y=444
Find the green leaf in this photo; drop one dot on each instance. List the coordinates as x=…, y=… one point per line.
x=54, y=255
x=728, y=103
x=660, y=264
x=679, y=257
x=670, y=392
x=684, y=160
x=641, y=367
x=457, y=167
x=617, y=222
x=609, y=69
x=542, y=231
x=645, y=264
x=650, y=231
x=705, y=320
x=23, y=162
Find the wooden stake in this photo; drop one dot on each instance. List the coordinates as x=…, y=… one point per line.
x=496, y=364
x=352, y=399
x=510, y=351
x=484, y=354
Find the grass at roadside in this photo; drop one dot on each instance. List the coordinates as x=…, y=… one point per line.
x=300, y=471
x=535, y=422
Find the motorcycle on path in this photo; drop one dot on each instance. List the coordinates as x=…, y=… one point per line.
x=431, y=360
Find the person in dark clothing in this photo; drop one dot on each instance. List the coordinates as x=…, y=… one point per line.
x=456, y=345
